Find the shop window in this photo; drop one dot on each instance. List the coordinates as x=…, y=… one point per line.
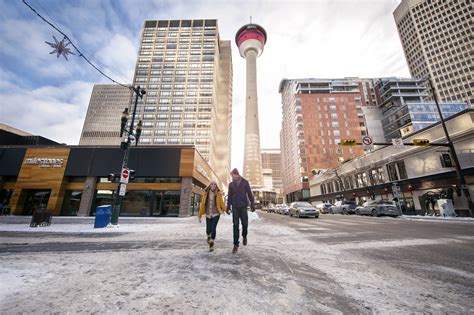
x=71, y=202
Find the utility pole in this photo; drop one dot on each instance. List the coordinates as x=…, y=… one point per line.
x=125, y=146
x=461, y=180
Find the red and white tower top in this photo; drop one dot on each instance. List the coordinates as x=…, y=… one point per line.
x=251, y=36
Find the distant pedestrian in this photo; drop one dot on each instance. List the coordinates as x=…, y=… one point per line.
x=212, y=206
x=238, y=196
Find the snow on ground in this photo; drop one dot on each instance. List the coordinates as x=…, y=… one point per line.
x=166, y=268
x=438, y=219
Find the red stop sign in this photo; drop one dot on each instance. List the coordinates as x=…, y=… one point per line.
x=125, y=173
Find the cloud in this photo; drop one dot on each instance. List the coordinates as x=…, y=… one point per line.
x=305, y=39
x=55, y=112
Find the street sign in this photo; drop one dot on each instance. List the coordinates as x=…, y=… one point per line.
x=123, y=189
x=124, y=176
x=367, y=140
x=398, y=143
x=396, y=191
x=368, y=143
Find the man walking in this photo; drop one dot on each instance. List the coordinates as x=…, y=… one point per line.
x=239, y=191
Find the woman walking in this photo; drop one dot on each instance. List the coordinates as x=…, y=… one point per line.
x=212, y=206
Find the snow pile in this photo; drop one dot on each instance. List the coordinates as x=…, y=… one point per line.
x=438, y=219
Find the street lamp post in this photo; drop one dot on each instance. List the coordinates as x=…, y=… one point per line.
x=461, y=180
x=124, y=146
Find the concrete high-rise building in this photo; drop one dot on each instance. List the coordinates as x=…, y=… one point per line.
x=437, y=39
x=272, y=171
x=186, y=71
x=317, y=114
x=102, y=122
x=251, y=39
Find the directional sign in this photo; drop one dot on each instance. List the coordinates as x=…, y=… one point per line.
x=398, y=143
x=124, y=176
x=396, y=191
x=368, y=143
x=123, y=189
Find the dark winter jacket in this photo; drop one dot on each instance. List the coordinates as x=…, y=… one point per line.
x=237, y=195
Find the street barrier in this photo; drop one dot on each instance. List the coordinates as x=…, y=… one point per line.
x=41, y=218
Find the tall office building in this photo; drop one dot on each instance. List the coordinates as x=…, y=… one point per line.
x=102, y=122
x=317, y=114
x=186, y=71
x=402, y=109
x=437, y=39
x=272, y=171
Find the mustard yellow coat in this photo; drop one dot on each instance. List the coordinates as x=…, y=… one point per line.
x=219, y=200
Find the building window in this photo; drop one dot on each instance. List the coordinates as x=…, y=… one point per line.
x=402, y=170
x=392, y=172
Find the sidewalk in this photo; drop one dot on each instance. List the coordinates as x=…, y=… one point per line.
x=439, y=219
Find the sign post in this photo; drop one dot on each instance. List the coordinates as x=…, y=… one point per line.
x=368, y=143
x=398, y=143
x=124, y=175
x=123, y=190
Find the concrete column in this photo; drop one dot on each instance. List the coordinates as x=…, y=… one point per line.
x=87, y=196
x=252, y=156
x=185, y=198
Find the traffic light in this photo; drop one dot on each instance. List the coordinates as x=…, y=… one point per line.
x=123, y=121
x=348, y=142
x=112, y=177
x=138, y=132
x=131, y=176
x=421, y=142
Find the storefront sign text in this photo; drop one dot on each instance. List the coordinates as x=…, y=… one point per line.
x=45, y=162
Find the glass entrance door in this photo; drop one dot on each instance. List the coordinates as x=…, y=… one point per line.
x=36, y=200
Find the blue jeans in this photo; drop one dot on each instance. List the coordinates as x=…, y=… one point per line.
x=240, y=213
x=211, y=226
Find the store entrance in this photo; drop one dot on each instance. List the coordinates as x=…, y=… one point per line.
x=35, y=199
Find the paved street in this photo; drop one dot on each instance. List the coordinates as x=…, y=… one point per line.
x=334, y=264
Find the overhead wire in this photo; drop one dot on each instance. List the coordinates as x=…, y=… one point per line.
x=80, y=54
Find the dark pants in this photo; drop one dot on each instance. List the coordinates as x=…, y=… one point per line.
x=240, y=213
x=211, y=226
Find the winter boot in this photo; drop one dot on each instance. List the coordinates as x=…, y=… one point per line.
x=211, y=245
x=244, y=241
x=208, y=239
x=235, y=249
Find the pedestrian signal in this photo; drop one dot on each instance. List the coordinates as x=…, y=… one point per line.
x=421, y=142
x=112, y=177
x=348, y=142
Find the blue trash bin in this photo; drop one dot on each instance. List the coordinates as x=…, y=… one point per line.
x=102, y=216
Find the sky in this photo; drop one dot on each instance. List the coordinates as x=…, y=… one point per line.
x=49, y=96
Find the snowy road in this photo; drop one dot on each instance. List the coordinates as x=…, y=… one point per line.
x=335, y=264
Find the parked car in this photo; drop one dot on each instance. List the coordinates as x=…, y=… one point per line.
x=284, y=209
x=271, y=208
x=344, y=207
x=377, y=208
x=324, y=207
x=303, y=209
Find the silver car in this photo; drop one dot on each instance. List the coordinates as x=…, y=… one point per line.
x=303, y=209
x=344, y=207
x=324, y=207
x=284, y=209
x=377, y=208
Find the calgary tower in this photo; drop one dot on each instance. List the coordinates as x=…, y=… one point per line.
x=251, y=39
